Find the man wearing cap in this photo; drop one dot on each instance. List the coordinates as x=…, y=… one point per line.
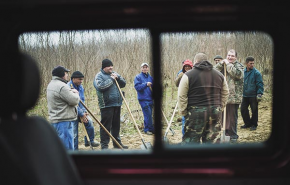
x=62, y=106
x=76, y=83
x=110, y=101
x=217, y=59
x=143, y=85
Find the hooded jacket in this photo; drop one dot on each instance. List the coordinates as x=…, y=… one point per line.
x=202, y=86
x=61, y=101
x=107, y=90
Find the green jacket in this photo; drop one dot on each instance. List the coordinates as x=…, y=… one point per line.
x=235, y=79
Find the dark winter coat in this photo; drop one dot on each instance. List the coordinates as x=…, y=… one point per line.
x=107, y=90
x=253, y=83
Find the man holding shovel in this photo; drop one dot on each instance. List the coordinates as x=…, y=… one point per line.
x=143, y=84
x=110, y=101
x=62, y=106
x=235, y=79
x=76, y=83
x=202, y=95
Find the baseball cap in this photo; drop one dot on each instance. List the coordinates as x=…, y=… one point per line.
x=143, y=64
x=59, y=71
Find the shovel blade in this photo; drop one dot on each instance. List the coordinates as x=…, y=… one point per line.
x=225, y=139
x=166, y=140
x=148, y=145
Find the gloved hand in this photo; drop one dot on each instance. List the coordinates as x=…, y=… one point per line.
x=259, y=97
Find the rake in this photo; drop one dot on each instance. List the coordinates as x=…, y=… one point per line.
x=167, y=129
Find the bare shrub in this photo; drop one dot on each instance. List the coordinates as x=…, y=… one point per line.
x=85, y=50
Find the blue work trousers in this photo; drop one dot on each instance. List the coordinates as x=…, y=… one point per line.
x=90, y=130
x=65, y=132
x=147, y=107
x=183, y=122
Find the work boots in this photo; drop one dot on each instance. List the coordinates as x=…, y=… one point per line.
x=245, y=126
x=253, y=128
x=94, y=144
x=123, y=146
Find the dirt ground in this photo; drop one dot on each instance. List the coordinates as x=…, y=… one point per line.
x=262, y=133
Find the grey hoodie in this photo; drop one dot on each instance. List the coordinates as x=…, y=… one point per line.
x=62, y=102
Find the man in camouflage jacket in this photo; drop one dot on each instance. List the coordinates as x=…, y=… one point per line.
x=235, y=79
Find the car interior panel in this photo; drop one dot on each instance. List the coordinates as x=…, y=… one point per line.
x=30, y=150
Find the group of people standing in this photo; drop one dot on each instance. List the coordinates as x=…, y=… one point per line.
x=65, y=109
x=66, y=98
x=204, y=93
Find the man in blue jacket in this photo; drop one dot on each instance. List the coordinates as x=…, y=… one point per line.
x=143, y=85
x=252, y=94
x=76, y=83
x=110, y=101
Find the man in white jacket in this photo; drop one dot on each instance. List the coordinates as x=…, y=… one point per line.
x=62, y=106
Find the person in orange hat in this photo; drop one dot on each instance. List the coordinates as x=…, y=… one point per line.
x=187, y=65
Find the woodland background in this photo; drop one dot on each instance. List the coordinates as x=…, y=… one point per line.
x=127, y=49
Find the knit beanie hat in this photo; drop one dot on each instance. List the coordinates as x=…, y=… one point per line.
x=59, y=71
x=106, y=63
x=77, y=74
x=218, y=57
x=186, y=62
